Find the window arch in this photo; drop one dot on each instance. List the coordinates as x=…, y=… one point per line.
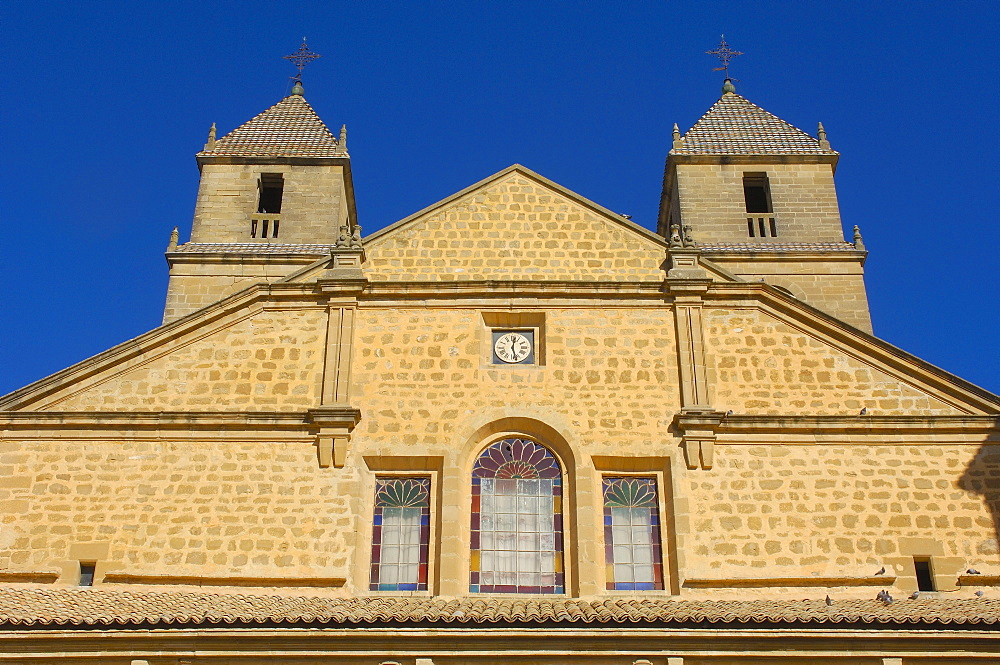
x=517, y=541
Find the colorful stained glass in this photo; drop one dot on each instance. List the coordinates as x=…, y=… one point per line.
x=517, y=539
x=401, y=534
x=632, y=534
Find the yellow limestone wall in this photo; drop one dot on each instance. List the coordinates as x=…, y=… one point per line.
x=272, y=360
x=255, y=504
x=758, y=364
x=194, y=507
x=608, y=372
x=515, y=228
x=804, y=199
x=312, y=206
x=836, y=287
x=842, y=509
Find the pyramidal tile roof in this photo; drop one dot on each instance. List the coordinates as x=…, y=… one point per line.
x=290, y=128
x=736, y=126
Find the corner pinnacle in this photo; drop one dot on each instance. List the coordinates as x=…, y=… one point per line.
x=210, y=144
x=859, y=243
x=172, y=245
x=678, y=143
x=821, y=134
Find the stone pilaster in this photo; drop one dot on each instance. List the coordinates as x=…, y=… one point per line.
x=335, y=417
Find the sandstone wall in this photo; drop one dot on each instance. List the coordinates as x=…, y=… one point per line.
x=175, y=508
x=271, y=361
x=757, y=364
x=843, y=509
x=514, y=229
x=803, y=197
x=312, y=207
x=610, y=373
x=835, y=287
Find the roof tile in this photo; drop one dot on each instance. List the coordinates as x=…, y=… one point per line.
x=77, y=606
x=767, y=246
x=290, y=128
x=252, y=248
x=736, y=126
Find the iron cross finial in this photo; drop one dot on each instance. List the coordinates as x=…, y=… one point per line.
x=302, y=57
x=724, y=54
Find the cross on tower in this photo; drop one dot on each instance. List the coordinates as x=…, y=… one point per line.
x=724, y=54
x=302, y=57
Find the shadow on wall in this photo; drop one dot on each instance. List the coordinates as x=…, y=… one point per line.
x=982, y=477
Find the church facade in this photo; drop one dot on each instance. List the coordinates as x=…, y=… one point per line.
x=514, y=427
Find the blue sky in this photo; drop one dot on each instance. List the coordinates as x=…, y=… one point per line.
x=105, y=104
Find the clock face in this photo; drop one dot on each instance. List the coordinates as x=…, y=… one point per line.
x=512, y=347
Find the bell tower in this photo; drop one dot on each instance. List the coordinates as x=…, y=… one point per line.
x=757, y=197
x=275, y=194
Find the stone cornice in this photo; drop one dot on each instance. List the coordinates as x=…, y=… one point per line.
x=343, y=160
x=242, y=258
x=674, y=158
x=771, y=253
x=722, y=639
x=881, y=425
x=498, y=289
x=214, y=420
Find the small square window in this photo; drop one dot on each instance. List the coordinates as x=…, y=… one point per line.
x=87, y=573
x=513, y=347
x=925, y=579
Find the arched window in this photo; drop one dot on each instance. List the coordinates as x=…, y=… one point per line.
x=517, y=541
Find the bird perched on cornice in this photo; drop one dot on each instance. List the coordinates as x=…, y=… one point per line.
x=884, y=596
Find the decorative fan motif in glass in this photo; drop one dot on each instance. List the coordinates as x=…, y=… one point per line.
x=517, y=541
x=401, y=534
x=632, y=534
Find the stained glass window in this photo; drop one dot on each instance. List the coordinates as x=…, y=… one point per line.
x=517, y=538
x=632, y=534
x=401, y=534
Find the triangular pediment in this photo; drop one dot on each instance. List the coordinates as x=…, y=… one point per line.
x=515, y=225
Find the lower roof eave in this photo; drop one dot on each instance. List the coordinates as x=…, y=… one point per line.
x=538, y=642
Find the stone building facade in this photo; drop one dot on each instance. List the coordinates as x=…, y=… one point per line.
x=513, y=427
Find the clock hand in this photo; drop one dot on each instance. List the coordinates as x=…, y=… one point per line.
x=513, y=351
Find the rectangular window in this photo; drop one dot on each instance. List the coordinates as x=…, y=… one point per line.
x=271, y=187
x=757, y=192
x=632, y=534
x=87, y=573
x=401, y=534
x=925, y=580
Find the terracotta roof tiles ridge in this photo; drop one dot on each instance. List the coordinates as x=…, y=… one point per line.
x=290, y=128
x=736, y=126
x=88, y=607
